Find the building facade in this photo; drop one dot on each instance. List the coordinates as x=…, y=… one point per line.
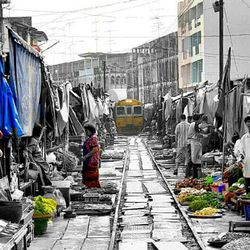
x=68, y=71
x=154, y=69
x=90, y=70
x=198, y=41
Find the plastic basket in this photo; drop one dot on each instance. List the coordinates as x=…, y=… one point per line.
x=247, y=212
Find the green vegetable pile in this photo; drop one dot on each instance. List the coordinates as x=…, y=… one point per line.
x=209, y=199
x=241, y=181
x=208, y=180
x=233, y=188
x=44, y=206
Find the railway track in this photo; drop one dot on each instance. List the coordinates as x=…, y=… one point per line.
x=147, y=214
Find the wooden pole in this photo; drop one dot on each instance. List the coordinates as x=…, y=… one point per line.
x=224, y=132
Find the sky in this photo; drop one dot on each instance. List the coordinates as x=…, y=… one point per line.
x=83, y=26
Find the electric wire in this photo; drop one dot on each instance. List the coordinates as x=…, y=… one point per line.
x=244, y=2
x=231, y=40
x=79, y=10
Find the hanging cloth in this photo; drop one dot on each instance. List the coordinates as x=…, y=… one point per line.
x=63, y=114
x=85, y=103
x=25, y=82
x=9, y=119
x=93, y=115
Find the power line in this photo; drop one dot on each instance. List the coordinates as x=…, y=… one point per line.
x=79, y=10
x=231, y=40
x=94, y=15
x=244, y=2
x=152, y=37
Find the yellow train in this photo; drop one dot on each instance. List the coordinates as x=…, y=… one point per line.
x=129, y=117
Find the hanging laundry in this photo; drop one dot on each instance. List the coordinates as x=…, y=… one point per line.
x=93, y=115
x=75, y=123
x=85, y=103
x=209, y=105
x=100, y=106
x=63, y=113
x=106, y=106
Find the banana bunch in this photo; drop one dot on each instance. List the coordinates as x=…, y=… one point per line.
x=182, y=197
x=206, y=211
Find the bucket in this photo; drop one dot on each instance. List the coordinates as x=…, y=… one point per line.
x=247, y=212
x=221, y=188
x=40, y=224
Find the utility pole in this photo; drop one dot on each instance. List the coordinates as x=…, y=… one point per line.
x=221, y=39
x=104, y=75
x=218, y=7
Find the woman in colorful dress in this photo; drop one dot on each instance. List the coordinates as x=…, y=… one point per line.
x=91, y=158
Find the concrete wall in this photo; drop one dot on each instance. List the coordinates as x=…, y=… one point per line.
x=237, y=20
x=185, y=32
x=155, y=69
x=236, y=23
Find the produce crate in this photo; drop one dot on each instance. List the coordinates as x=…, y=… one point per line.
x=239, y=226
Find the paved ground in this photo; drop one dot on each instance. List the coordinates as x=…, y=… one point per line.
x=145, y=195
x=206, y=228
x=83, y=232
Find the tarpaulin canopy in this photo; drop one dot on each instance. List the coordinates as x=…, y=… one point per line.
x=9, y=119
x=26, y=84
x=116, y=95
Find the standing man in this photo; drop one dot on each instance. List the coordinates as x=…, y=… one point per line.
x=196, y=147
x=181, y=135
x=244, y=149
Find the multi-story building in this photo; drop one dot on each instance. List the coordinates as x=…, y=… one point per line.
x=90, y=70
x=198, y=41
x=68, y=71
x=115, y=65
x=154, y=69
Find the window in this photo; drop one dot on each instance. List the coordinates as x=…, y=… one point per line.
x=199, y=10
x=129, y=110
x=197, y=69
x=195, y=41
x=120, y=111
x=185, y=46
x=192, y=14
x=184, y=55
x=137, y=110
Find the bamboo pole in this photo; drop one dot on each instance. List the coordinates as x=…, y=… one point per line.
x=224, y=132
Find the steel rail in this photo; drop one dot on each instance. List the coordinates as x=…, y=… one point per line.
x=182, y=211
x=116, y=216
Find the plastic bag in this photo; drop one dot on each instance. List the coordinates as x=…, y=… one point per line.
x=60, y=199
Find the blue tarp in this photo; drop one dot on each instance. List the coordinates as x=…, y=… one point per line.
x=9, y=119
x=25, y=82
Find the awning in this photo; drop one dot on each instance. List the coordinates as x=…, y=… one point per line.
x=116, y=95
